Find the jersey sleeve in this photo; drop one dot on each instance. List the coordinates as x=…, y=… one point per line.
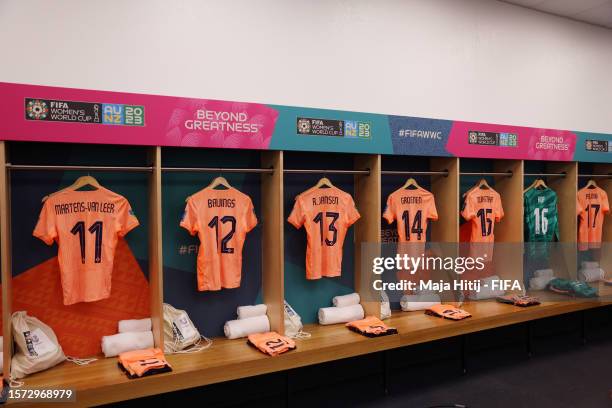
x=126, y=220
x=250, y=217
x=189, y=221
x=45, y=229
x=605, y=204
x=499, y=210
x=389, y=213
x=352, y=215
x=432, y=211
x=557, y=234
x=297, y=216
x=468, y=211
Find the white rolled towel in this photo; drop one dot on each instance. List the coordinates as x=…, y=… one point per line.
x=235, y=329
x=346, y=300
x=333, y=315
x=135, y=325
x=122, y=342
x=411, y=303
x=541, y=273
x=251, y=311
x=486, y=289
x=539, y=282
x=590, y=264
x=591, y=274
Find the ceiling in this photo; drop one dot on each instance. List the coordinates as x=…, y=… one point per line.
x=597, y=12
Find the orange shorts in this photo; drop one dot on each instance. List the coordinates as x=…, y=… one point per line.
x=139, y=363
x=271, y=343
x=371, y=327
x=448, y=312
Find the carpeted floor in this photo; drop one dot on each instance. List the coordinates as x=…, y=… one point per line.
x=576, y=378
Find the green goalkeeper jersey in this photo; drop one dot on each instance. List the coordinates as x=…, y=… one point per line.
x=541, y=216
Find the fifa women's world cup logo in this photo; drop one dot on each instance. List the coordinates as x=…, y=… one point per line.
x=303, y=126
x=37, y=109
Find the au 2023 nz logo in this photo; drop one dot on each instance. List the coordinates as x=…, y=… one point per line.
x=51, y=110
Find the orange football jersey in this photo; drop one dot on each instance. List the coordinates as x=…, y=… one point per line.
x=326, y=214
x=221, y=218
x=592, y=206
x=85, y=225
x=483, y=207
x=412, y=208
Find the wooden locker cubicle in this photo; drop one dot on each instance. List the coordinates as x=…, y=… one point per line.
x=446, y=192
x=567, y=189
x=602, y=175
x=509, y=231
x=156, y=272
x=5, y=255
x=154, y=239
x=273, y=249
x=367, y=229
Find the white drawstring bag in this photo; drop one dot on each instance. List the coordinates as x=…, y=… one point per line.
x=180, y=333
x=293, y=324
x=37, y=347
x=385, y=306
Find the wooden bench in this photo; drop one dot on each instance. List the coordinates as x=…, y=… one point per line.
x=103, y=382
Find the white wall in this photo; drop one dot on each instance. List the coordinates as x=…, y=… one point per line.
x=478, y=60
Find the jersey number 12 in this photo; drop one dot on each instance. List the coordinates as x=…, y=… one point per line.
x=214, y=223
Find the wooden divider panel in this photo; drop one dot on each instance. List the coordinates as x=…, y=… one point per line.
x=510, y=229
x=273, y=264
x=509, y=232
x=5, y=260
x=446, y=228
x=446, y=193
x=566, y=189
x=367, y=229
x=156, y=283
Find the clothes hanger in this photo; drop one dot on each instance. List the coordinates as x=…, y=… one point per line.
x=219, y=181
x=323, y=182
x=411, y=182
x=591, y=184
x=536, y=184
x=79, y=183
x=482, y=183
